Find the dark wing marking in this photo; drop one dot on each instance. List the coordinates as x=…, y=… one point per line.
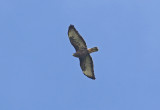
x=76, y=39
x=86, y=64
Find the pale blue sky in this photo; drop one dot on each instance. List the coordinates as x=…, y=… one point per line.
x=38, y=71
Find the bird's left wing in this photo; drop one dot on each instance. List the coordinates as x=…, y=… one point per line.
x=86, y=64
x=76, y=39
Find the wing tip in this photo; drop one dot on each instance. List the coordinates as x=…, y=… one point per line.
x=71, y=26
x=92, y=77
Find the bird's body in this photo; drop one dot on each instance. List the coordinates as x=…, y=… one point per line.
x=82, y=52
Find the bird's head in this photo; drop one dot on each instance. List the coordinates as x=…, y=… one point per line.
x=75, y=54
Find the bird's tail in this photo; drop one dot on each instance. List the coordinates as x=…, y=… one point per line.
x=94, y=49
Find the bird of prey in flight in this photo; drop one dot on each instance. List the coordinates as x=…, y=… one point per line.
x=82, y=52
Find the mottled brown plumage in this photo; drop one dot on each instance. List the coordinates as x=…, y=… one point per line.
x=82, y=52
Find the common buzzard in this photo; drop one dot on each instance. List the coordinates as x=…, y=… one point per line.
x=82, y=52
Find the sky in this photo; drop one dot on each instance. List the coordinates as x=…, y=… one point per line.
x=38, y=71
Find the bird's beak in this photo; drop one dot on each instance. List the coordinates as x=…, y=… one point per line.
x=72, y=54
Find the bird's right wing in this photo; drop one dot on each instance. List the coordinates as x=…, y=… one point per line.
x=86, y=64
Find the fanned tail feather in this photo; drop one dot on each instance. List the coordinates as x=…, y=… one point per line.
x=94, y=49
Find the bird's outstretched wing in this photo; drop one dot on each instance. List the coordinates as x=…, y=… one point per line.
x=76, y=39
x=86, y=64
